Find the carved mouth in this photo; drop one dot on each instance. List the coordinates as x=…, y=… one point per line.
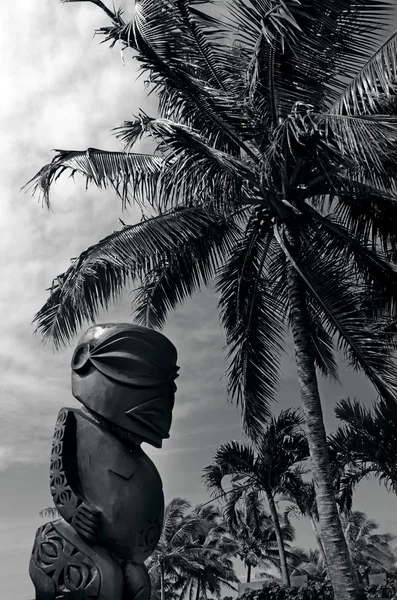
x=152, y=415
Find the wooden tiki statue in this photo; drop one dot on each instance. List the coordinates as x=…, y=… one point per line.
x=106, y=489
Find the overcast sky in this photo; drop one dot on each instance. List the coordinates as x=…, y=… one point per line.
x=61, y=89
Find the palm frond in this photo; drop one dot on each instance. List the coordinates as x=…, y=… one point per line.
x=367, y=209
x=252, y=320
x=177, y=138
x=232, y=458
x=366, y=140
x=313, y=46
x=97, y=3
x=191, y=266
x=371, y=265
x=203, y=44
x=377, y=77
x=196, y=168
x=340, y=301
x=133, y=176
x=100, y=273
x=322, y=345
x=174, y=78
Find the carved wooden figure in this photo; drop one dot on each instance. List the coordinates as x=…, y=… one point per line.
x=105, y=487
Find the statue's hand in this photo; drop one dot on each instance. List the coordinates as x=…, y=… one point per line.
x=85, y=521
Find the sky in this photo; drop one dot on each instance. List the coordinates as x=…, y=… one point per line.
x=61, y=88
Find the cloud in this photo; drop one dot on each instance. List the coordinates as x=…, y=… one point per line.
x=55, y=79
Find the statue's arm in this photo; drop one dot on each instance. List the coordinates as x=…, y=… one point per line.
x=64, y=480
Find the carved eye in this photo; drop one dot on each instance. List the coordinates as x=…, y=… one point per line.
x=80, y=357
x=151, y=536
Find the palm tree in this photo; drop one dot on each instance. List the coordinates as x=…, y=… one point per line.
x=254, y=533
x=214, y=568
x=303, y=495
x=368, y=439
x=274, y=174
x=191, y=553
x=214, y=572
x=175, y=548
x=370, y=551
x=281, y=447
x=310, y=563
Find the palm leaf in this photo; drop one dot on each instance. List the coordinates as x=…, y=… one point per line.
x=196, y=168
x=322, y=345
x=233, y=459
x=101, y=272
x=313, y=44
x=368, y=439
x=97, y=3
x=184, y=88
x=340, y=302
x=133, y=176
x=190, y=266
x=365, y=140
x=202, y=43
x=376, y=77
x=370, y=264
x=254, y=337
x=367, y=210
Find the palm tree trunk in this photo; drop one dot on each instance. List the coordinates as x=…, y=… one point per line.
x=162, y=582
x=248, y=573
x=318, y=539
x=198, y=590
x=280, y=541
x=340, y=568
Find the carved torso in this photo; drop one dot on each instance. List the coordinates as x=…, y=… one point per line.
x=120, y=481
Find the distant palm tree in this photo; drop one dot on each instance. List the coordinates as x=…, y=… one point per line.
x=264, y=469
x=303, y=496
x=254, y=532
x=310, y=563
x=174, y=550
x=368, y=439
x=274, y=174
x=214, y=569
x=188, y=554
x=210, y=575
x=370, y=551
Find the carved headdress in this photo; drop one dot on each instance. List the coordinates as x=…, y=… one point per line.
x=143, y=362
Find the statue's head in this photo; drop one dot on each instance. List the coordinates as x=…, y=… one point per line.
x=126, y=373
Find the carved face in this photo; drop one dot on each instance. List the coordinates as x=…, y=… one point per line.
x=126, y=373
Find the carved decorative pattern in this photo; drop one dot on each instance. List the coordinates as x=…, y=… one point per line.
x=60, y=489
x=73, y=572
x=149, y=537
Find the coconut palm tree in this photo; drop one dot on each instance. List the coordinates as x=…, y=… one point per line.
x=215, y=549
x=254, y=533
x=309, y=562
x=370, y=551
x=191, y=553
x=265, y=470
x=176, y=547
x=215, y=572
x=274, y=174
x=368, y=439
x=303, y=496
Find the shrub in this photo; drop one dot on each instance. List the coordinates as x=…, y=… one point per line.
x=315, y=591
